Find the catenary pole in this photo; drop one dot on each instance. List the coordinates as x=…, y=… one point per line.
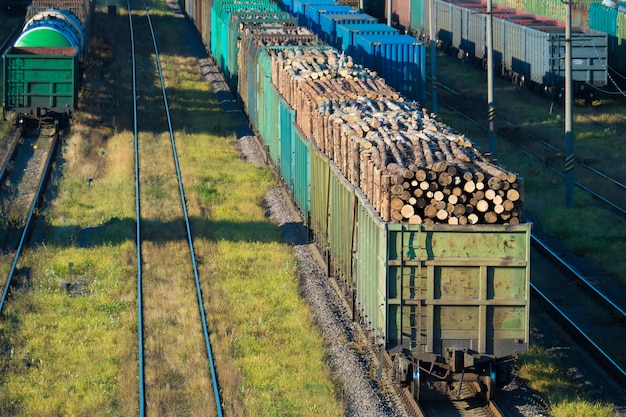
x=490, y=103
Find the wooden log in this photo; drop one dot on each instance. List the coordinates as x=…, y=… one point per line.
x=408, y=211
x=482, y=206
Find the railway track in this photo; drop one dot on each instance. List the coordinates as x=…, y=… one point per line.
x=587, y=311
x=9, y=27
x=174, y=366
x=24, y=176
x=456, y=401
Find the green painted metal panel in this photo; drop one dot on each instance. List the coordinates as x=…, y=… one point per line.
x=427, y=287
x=301, y=172
x=341, y=226
x=237, y=21
x=603, y=18
x=221, y=12
x=617, y=58
x=320, y=195
x=287, y=139
x=41, y=77
x=458, y=286
x=370, y=268
x=417, y=15
x=269, y=111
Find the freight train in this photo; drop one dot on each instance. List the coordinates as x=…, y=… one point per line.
x=522, y=28
x=424, y=233
x=41, y=71
x=528, y=49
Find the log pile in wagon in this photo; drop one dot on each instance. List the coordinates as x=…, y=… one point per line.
x=411, y=167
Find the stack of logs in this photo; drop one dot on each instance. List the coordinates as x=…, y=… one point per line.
x=410, y=166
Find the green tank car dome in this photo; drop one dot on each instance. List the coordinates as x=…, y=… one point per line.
x=43, y=36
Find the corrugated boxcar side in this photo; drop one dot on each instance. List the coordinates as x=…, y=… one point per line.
x=192, y=11
x=341, y=226
x=300, y=7
x=287, y=138
x=537, y=53
x=319, y=192
x=458, y=26
x=443, y=23
x=205, y=34
x=603, y=18
x=612, y=22
x=328, y=24
x=518, y=42
x=220, y=16
x=418, y=13
x=477, y=35
x=399, y=59
x=267, y=115
x=618, y=55
x=400, y=13
x=301, y=159
x=370, y=270
x=313, y=14
x=333, y=216
x=286, y=5
x=556, y=9
x=458, y=286
x=517, y=4
x=346, y=34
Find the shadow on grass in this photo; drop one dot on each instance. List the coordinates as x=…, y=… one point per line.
x=116, y=231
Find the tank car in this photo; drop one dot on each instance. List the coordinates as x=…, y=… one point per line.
x=42, y=69
x=446, y=297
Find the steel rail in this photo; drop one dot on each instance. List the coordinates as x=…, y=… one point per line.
x=187, y=224
x=42, y=183
x=606, y=177
x=11, y=36
x=142, y=395
x=597, y=349
x=571, y=270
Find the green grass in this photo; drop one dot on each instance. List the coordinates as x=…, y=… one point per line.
x=76, y=353
x=63, y=351
x=547, y=376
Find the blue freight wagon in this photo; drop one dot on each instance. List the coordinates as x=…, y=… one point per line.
x=329, y=24
x=399, y=59
x=300, y=6
x=346, y=34
x=314, y=13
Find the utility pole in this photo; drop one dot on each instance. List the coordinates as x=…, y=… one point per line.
x=490, y=104
x=389, y=9
x=433, y=58
x=569, y=138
